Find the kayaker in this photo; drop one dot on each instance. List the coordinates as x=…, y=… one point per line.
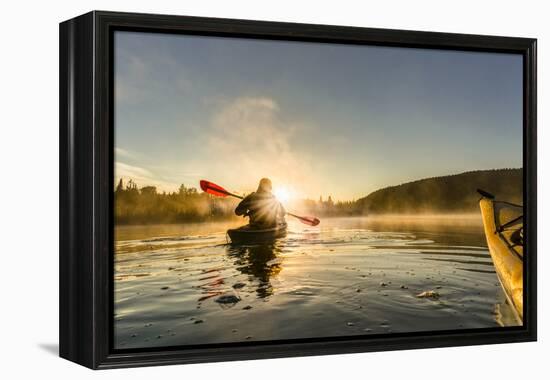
x=263, y=209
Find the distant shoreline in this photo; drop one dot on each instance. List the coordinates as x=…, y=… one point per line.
x=375, y=217
x=446, y=195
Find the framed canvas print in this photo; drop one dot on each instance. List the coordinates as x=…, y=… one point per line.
x=237, y=189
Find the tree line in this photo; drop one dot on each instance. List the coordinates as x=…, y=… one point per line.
x=455, y=193
x=146, y=205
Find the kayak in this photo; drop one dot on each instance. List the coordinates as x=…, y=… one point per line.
x=503, y=225
x=251, y=234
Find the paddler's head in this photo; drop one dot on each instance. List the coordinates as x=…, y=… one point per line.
x=264, y=186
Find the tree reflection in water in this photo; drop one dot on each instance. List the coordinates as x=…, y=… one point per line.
x=260, y=262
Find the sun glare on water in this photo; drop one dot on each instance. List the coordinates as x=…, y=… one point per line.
x=282, y=194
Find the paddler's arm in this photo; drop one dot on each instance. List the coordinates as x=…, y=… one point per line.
x=242, y=207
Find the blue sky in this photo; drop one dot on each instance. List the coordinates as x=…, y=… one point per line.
x=318, y=119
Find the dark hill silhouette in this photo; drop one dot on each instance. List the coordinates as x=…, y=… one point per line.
x=453, y=193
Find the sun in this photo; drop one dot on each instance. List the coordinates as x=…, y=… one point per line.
x=282, y=194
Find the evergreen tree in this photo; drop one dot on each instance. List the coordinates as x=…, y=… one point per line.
x=120, y=187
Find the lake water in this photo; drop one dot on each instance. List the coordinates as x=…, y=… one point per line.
x=184, y=285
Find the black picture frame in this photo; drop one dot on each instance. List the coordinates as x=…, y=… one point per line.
x=86, y=183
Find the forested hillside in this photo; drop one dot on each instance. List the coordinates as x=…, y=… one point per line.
x=453, y=193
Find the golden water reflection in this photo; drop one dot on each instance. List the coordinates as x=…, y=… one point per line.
x=261, y=262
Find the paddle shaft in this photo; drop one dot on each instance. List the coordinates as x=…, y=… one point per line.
x=217, y=190
x=240, y=197
x=296, y=216
x=232, y=195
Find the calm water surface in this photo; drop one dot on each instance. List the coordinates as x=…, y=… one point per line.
x=184, y=285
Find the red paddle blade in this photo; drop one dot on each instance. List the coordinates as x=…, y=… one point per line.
x=309, y=220
x=212, y=188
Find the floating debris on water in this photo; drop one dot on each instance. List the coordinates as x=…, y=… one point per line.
x=228, y=299
x=248, y=307
x=350, y=324
x=404, y=287
x=383, y=284
x=164, y=288
x=198, y=321
x=429, y=294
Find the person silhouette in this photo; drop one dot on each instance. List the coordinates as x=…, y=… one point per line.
x=262, y=208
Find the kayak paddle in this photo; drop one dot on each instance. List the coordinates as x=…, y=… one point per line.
x=309, y=220
x=213, y=189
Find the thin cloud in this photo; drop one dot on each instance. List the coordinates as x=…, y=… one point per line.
x=142, y=177
x=250, y=140
x=124, y=153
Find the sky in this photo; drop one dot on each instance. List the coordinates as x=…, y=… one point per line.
x=318, y=119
